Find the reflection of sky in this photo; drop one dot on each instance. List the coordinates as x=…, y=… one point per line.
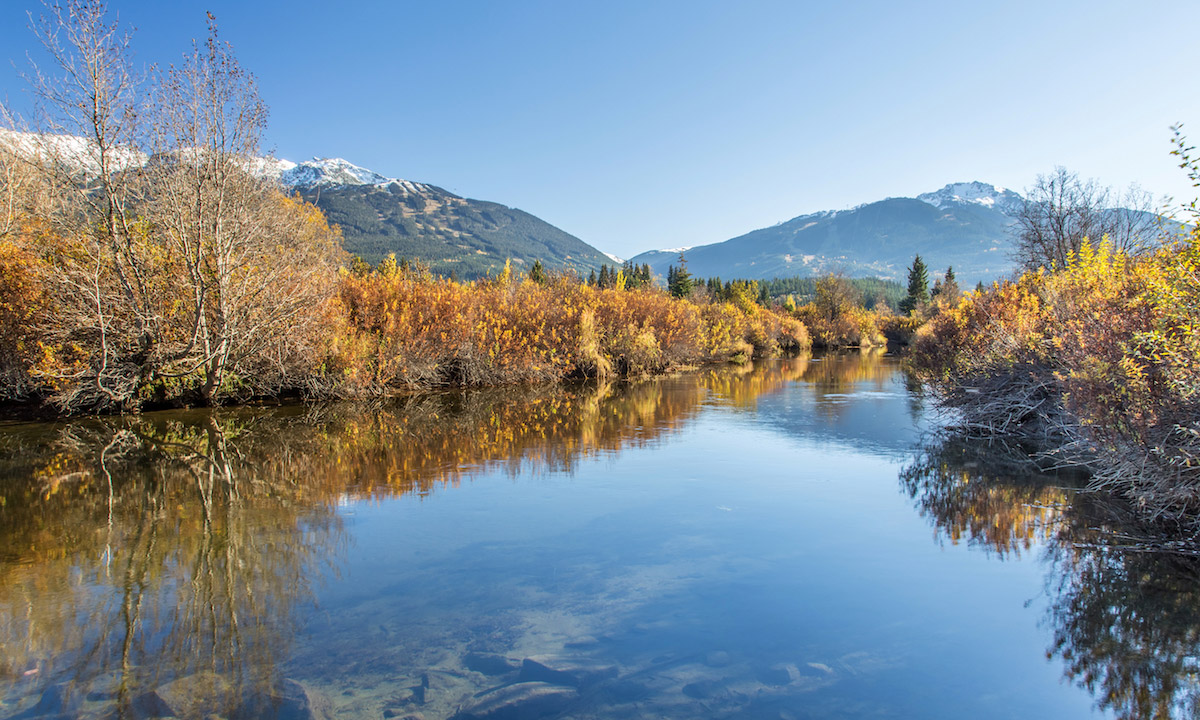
x=729, y=536
x=873, y=416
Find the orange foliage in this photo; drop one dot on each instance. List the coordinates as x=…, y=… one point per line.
x=1104, y=350
x=402, y=328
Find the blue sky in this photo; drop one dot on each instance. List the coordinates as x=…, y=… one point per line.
x=640, y=125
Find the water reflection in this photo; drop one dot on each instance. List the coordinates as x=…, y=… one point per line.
x=137, y=550
x=186, y=547
x=1125, y=621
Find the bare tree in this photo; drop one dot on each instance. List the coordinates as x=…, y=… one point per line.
x=256, y=264
x=1061, y=211
x=22, y=193
x=88, y=113
x=175, y=268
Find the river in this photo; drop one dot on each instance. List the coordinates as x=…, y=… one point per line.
x=784, y=540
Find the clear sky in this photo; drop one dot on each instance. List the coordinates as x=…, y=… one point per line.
x=642, y=124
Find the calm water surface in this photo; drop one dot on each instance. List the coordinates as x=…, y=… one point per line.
x=782, y=541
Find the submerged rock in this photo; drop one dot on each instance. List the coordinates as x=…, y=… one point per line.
x=702, y=689
x=289, y=700
x=779, y=675
x=57, y=701
x=488, y=664
x=717, y=659
x=575, y=672
x=521, y=701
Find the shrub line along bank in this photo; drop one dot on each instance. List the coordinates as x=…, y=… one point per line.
x=1093, y=363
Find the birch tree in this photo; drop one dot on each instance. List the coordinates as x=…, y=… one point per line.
x=255, y=263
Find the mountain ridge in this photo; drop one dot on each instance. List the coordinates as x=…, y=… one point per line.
x=966, y=225
x=381, y=215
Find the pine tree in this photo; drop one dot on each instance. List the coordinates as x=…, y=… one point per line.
x=632, y=278
x=537, y=273
x=681, y=284
x=918, y=287
x=950, y=291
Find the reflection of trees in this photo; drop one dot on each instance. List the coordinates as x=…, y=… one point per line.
x=1125, y=620
x=140, y=549
x=986, y=495
x=841, y=372
x=149, y=549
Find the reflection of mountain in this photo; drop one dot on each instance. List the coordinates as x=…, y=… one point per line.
x=1126, y=621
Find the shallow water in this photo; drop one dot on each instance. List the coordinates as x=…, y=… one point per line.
x=782, y=541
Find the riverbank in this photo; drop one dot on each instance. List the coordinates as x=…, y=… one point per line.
x=1095, y=364
x=394, y=328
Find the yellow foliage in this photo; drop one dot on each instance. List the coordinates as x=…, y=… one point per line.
x=404, y=330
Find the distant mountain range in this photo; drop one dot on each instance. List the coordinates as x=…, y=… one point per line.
x=379, y=215
x=966, y=225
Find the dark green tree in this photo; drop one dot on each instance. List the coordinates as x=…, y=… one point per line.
x=679, y=280
x=537, y=273
x=918, y=287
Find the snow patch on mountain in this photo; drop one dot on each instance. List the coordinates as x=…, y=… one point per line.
x=977, y=193
x=614, y=258
x=271, y=167
x=77, y=153
x=330, y=171
x=334, y=172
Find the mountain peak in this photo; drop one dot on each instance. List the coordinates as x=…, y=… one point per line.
x=330, y=171
x=977, y=193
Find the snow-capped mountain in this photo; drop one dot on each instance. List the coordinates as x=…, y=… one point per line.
x=978, y=193
x=377, y=214
x=336, y=172
x=329, y=171
x=965, y=224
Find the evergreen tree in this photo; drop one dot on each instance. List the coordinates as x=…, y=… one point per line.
x=918, y=287
x=632, y=275
x=950, y=291
x=681, y=284
x=592, y=278
x=603, y=282
x=537, y=273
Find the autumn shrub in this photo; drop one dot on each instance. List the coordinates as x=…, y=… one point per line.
x=849, y=327
x=1094, y=363
x=23, y=305
x=403, y=328
x=899, y=330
